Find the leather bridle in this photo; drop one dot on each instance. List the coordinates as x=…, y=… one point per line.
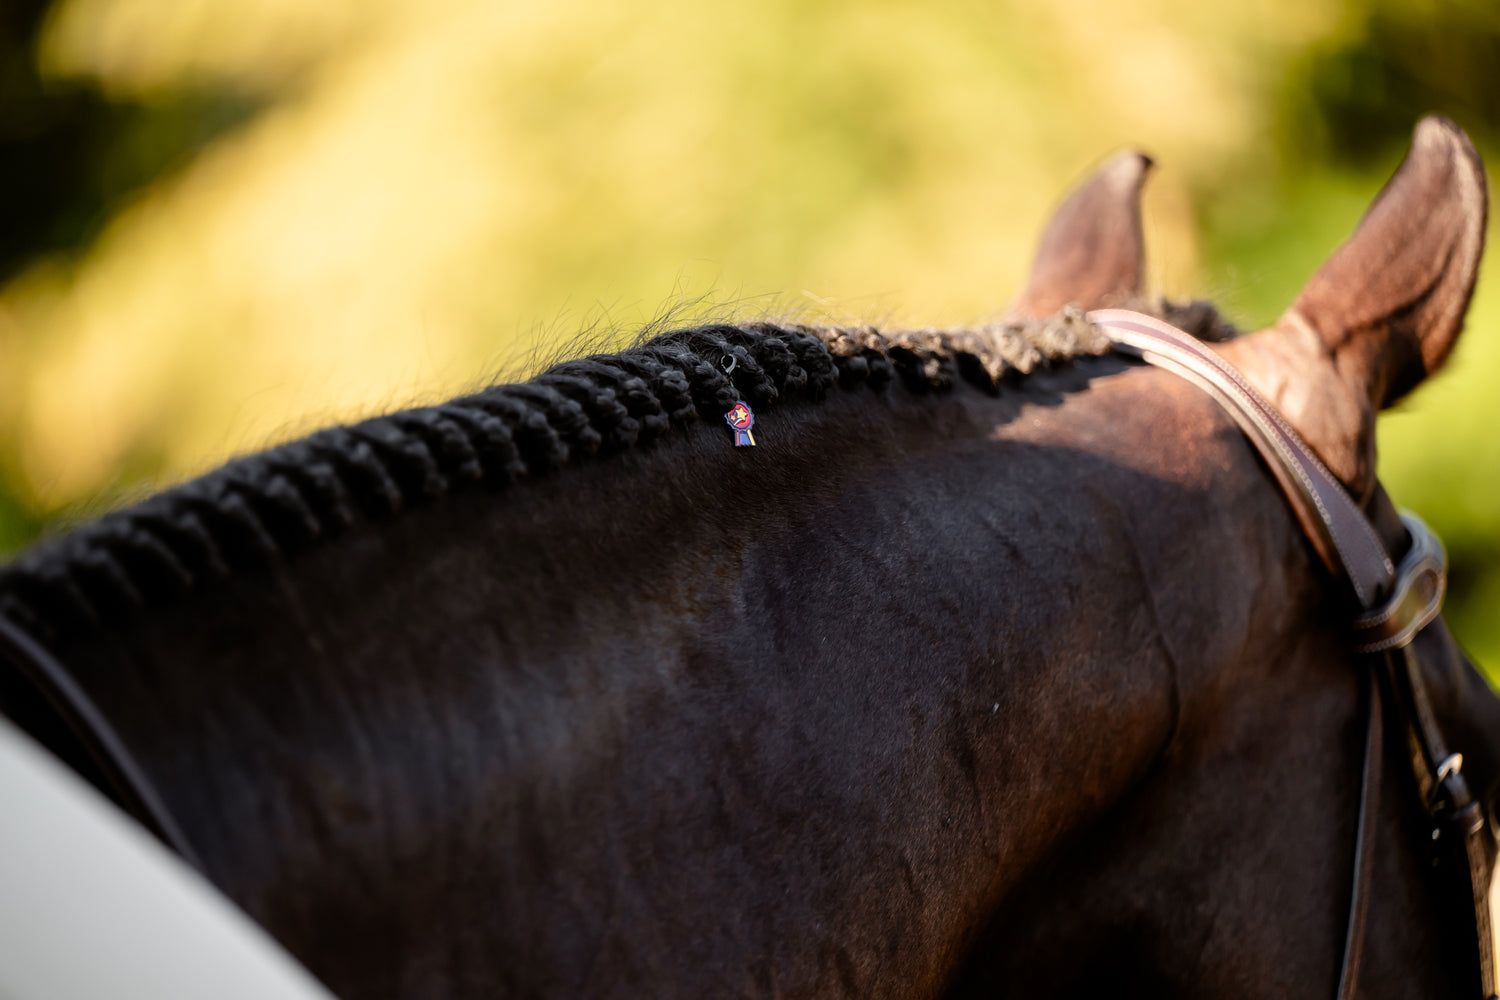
x=1396, y=603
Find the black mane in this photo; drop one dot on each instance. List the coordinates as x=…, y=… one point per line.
x=260, y=508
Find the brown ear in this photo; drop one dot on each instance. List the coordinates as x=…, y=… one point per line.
x=1092, y=253
x=1385, y=310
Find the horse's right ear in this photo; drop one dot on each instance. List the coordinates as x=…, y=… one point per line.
x=1384, y=311
x=1092, y=253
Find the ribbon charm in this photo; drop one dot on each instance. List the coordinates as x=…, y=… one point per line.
x=741, y=419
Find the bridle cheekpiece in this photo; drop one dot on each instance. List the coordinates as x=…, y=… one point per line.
x=1396, y=603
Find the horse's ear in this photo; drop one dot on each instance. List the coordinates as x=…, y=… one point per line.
x=1384, y=311
x=1092, y=253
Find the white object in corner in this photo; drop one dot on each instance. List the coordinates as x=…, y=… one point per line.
x=92, y=907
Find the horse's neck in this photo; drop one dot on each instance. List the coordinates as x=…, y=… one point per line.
x=855, y=681
x=1228, y=872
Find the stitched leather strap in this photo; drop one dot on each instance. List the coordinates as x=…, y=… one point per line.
x=1336, y=526
x=1364, y=843
x=1455, y=814
x=1396, y=607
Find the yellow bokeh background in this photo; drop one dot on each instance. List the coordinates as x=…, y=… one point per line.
x=431, y=194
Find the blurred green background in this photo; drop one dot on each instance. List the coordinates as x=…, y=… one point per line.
x=224, y=224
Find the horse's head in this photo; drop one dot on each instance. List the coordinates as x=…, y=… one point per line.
x=1230, y=870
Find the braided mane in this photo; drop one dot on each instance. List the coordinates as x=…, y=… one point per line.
x=258, y=509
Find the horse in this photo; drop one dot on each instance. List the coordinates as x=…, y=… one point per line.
x=997, y=663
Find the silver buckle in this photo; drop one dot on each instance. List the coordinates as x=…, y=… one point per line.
x=1421, y=582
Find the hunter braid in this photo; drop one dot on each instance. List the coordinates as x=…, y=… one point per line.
x=258, y=509
x=606, y=415
x=642, y=416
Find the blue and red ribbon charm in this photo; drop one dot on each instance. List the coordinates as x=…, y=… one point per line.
x=741, y=419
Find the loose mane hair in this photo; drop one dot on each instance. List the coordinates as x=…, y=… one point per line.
x=261, y=508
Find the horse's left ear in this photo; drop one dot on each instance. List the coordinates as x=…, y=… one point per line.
x=1092, y=253
x=1385, y=310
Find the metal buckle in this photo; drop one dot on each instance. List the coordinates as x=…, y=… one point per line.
x=1421, y=582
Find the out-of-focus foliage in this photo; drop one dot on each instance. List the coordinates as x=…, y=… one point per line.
x=238, y=221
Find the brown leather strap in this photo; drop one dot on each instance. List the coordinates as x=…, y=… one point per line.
x=1454, y=811
x=1396, y=606
x=1336, y=526
x=1481, y=872
x=1364, y=840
